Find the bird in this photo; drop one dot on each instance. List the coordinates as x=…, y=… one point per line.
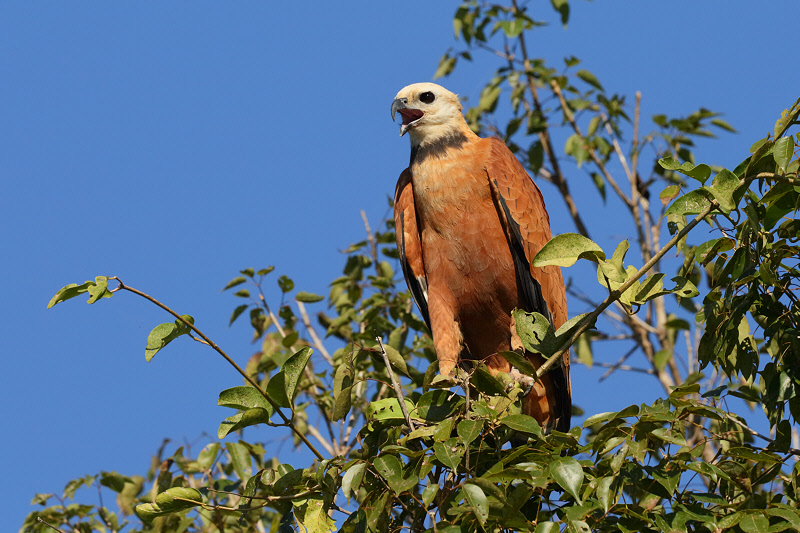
x=469, y=221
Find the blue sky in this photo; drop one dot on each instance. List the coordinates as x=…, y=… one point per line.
x=172, y=144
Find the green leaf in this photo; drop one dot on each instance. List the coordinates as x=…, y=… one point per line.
x=390, y=468
x=311, y=514
x=512, y=28
x=449, y=453
x=114, y=481
x=171, y=501
x=651, y=287
x=446, y=66
x=488, y=98
x=163, y=334
x=669, y=194
x=535, y=156
x=443, y=430
x=286, y=284
x=564, y=250
x=575, y=146
x=562, y=6
x=240, y=459
x=244, y=397
x=396, y=360
x=599, y=418
x=546, y=527
x=754, y=522
x=429, y=493
x=589, y=78
x=99, y=289
x=477, y=501
x=699, y=172
x=351, y=481
x=234, y=282
x=69, y=291
x=523, y=424
x=342, y=382
x=519, y=362
x=722, y=125
x=469, y=430
x=208, y=455
x=436, y=405
x=276, y=389
x=308, y=297
x=238, y=311
x=243, y=419
x=568, y=473
x=535, y=332
x=293, y=369
x=783, y=151
x=389, y=409
x=604, y=492
x=691, y=203
x=724, y=185
x=684, y=288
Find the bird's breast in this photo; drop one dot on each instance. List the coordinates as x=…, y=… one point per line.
x=463, y=242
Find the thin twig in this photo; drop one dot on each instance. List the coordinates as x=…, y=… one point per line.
x=618, y=364
x=628, y=368
x=329, y=446
x=793, y=451
x=395, y=384
x=615, y=294
x=592, y=152
x=48, y=525
x=373, y=245
x=314, y=337
x=544, y=137
x=228, y=358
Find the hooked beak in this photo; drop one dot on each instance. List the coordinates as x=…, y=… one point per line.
x=410, y=115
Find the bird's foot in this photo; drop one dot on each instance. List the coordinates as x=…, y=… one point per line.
x=525, y=382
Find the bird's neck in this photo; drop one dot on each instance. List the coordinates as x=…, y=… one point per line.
x=429, y=145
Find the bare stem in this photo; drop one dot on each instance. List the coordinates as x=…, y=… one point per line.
x=793, y=451
x=373, y=245
x=558, y=178
x=395, y=384
x=314, y=337
x=38, y=519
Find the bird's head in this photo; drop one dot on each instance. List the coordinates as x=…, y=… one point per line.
x=429, y=112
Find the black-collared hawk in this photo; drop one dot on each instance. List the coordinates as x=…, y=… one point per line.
x=469, y=221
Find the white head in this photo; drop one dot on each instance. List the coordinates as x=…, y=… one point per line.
x=430, y=112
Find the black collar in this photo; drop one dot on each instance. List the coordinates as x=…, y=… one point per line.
x=437, y=148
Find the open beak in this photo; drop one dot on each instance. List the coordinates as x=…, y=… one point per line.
x=410, y=115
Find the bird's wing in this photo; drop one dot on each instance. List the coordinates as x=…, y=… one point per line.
x=408, y=243
x=520, y=205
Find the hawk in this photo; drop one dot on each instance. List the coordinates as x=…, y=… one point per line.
x=469, y=221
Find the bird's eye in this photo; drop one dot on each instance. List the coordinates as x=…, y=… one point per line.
x=427, y=97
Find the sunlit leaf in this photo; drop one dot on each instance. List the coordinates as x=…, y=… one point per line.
x=565, y=249
x=568, y=473
x=477, y=501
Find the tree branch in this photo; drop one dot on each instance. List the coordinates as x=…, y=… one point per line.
x=615, y=294
x=230, y=361
x=396, y=384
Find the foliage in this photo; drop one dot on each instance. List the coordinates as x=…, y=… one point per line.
x=396, y=449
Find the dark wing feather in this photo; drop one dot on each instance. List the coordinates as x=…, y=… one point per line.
x=521, y=209
x=409, y=244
